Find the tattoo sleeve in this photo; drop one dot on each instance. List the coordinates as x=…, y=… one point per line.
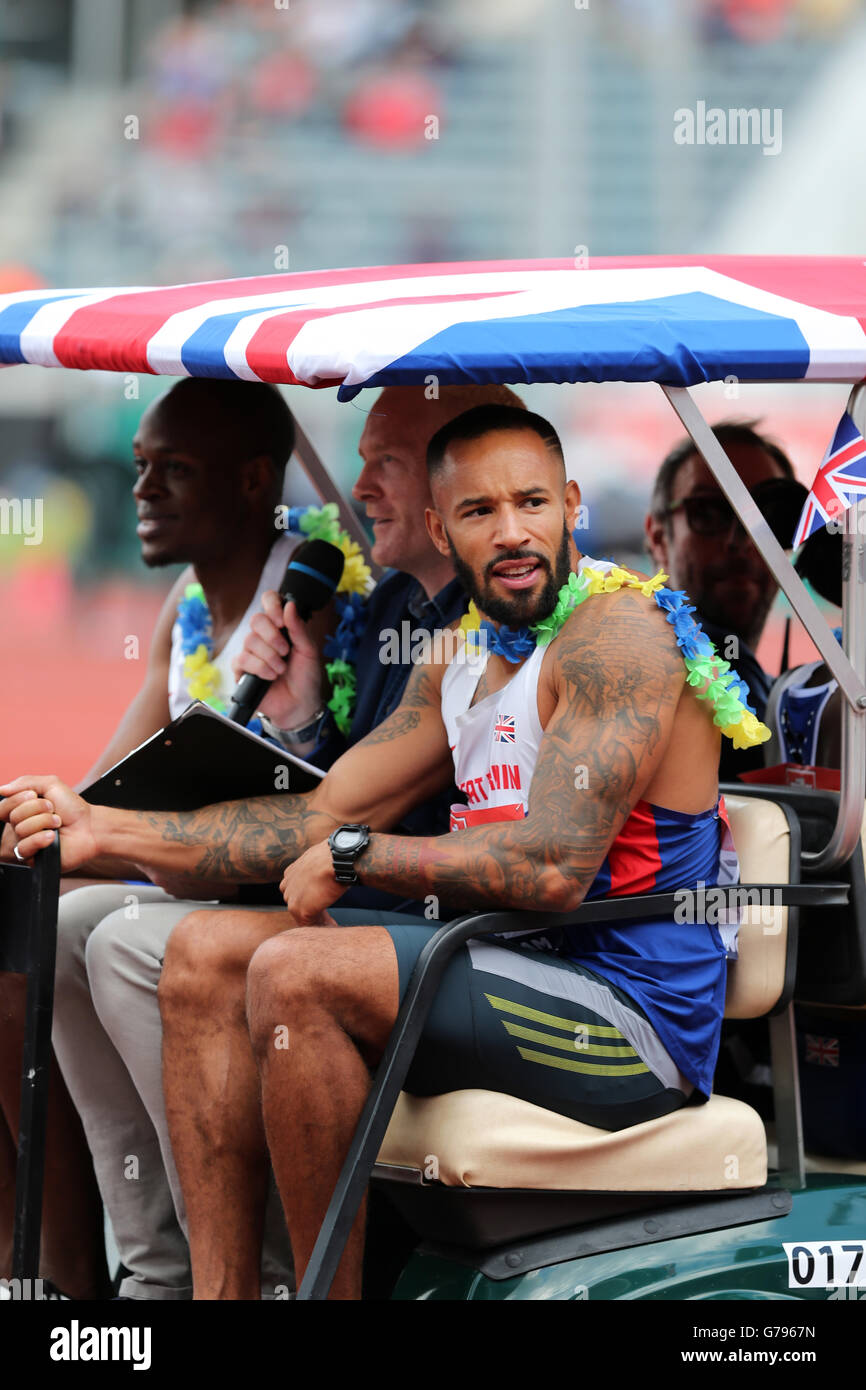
x=617, y=678
x=402, y=721
x=227, y=843
x=421, y=694
x=253, y=841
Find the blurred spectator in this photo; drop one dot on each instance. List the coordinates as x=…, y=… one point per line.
x=282, y=84
x=748, y=21
x=389, y=109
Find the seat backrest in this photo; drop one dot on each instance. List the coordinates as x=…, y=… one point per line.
x=767, y=843
x=831, y=950
x=832, y=966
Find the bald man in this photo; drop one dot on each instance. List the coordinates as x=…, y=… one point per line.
x=110, y=954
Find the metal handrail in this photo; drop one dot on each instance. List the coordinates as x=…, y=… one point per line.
x=36, y=1061
x=852, y=779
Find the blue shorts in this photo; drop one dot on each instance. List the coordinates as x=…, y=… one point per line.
x=531, y=1023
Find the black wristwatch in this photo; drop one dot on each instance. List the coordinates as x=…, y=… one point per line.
x=347, y=842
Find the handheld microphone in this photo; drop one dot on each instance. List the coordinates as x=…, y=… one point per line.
x=311, y=579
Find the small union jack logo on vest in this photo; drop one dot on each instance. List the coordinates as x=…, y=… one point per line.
x=503, y=729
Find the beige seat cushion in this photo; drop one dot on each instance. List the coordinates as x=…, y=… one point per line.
x=484, y=1139
x=763, y=844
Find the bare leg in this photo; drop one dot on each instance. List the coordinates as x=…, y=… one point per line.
x=321, y=1004
x=73, y=1238
x=212, y=1099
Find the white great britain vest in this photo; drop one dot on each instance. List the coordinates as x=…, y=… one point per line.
x=495, y=743
x=271, y=577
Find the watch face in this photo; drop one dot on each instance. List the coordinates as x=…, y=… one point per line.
x=345, y=840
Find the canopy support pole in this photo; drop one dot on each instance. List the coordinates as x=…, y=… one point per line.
x=853, y=774
x=851, y=677
x=308, y=458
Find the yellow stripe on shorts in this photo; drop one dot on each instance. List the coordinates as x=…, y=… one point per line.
x=592, y=1068
x=567, y=1044
x=597, y=1030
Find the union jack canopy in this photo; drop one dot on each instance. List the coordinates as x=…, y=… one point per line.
x=678, y=320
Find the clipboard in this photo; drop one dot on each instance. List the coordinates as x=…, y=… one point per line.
x=200, y=758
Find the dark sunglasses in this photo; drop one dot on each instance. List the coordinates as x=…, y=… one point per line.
x=780, y=500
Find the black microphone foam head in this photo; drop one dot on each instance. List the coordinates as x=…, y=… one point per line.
x=312, y=575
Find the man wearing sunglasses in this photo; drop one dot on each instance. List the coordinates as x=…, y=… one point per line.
x=693, y=534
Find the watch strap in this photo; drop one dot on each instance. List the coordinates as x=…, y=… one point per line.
x=307, y=733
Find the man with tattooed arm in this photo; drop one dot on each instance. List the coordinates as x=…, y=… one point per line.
x=585, y=744
x=111, y=937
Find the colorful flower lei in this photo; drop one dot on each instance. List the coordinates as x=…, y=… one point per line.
x=322, y=523
x=316, y=523
x=711, y=678
x=196, y=642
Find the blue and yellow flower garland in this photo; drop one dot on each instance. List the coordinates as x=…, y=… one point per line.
x=711, y=678
x=316, y=523
x=196, y=642
x=322, y=523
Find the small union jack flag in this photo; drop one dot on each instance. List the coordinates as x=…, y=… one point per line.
x=839, y=482
x=503, y=729
x=823, y=1051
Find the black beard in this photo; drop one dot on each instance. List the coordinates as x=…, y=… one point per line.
x=524, y=609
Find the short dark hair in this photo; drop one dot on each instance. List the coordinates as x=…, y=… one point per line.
x=485, y=419
x=257, y=410
x=727, y=432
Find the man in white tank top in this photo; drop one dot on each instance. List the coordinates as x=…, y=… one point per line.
x=210, y=458
x=607, y=698
x=568, y=740
x=107, y=951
